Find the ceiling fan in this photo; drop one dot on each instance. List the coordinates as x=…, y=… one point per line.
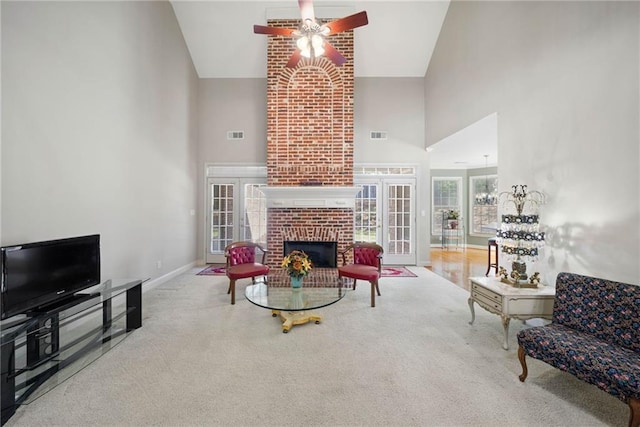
x=311, y=36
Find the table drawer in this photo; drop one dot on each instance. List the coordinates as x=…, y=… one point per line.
x=488, y=303
x=490, y=295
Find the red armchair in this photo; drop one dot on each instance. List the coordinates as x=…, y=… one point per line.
x=367, y=265
x=241, y=264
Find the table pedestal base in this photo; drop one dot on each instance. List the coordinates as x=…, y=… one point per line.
x=291, y=318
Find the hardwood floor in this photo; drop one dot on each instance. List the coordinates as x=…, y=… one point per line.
x=457, y=265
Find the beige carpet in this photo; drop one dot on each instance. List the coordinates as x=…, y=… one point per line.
x=411, y=360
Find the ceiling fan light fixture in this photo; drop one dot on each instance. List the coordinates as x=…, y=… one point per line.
x=310, y=35
x=303, y=43
x=317, y=41
x=310, y=45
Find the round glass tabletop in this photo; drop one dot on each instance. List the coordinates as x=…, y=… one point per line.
x=320, y=288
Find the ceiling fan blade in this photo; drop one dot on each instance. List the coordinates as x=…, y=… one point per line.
x=348, y=22
x=333, y=54
x=294, y=59
x=306, y=10
x=261, y=29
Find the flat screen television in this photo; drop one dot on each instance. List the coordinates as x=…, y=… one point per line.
x=38, y=274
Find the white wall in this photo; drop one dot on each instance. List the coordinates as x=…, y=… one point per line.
x=99, y=131
x=233, y=104
x=394, y=104
x=564, y=79
x=229, y=105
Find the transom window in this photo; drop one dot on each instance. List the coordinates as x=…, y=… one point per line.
x=384, y=170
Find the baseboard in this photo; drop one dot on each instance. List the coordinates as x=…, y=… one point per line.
x=477, y=246
x=168, y=276
x=424, y=263
x=465, y=246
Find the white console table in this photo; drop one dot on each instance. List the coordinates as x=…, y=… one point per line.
x=510, y=302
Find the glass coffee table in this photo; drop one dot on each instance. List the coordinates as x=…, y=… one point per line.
x=321, y=287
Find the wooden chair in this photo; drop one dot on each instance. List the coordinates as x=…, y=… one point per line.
x=241, y=264
x=367, y=265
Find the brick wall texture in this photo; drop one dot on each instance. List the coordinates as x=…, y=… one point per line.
x=309, y=136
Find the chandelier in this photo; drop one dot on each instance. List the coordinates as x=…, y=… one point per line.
x=487, y=196
x=519, y=235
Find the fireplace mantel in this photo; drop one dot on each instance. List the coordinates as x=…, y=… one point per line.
x=310, y=197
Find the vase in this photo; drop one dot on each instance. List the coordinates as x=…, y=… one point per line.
x=296, y=282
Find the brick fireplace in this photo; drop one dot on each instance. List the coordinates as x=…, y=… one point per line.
x=309, y=145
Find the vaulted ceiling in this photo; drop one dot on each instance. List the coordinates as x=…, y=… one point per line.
x=397, y=42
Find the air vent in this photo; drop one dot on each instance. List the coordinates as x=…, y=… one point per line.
x=378, y=134
x=235, y=134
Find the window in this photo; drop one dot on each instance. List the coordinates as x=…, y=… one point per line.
x=446, y=195
x=255, y=214
x=366, y=214
x=483, y=199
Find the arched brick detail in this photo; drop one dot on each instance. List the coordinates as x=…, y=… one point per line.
x=309, y=144
x=309, y=134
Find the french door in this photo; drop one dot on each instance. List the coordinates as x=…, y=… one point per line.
x=237, y=210
x=385, y=213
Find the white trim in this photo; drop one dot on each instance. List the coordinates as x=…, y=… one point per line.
x=310, y=197
x=226, y=170
x=477, y=246
x=153, y=283
x=382, y=166
x=466, y=246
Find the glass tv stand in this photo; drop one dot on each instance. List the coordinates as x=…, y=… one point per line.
x=43, y=348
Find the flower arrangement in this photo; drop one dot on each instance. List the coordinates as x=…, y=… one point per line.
x=297, y=264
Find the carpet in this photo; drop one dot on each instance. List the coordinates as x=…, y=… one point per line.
x=218, y=270
x=397, y=364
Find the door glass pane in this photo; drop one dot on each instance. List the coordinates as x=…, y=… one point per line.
x=399, y=213
x=221, y=217
x=255, y=215
x=366, y=221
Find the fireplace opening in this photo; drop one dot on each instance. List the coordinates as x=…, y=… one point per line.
x=322, y=254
